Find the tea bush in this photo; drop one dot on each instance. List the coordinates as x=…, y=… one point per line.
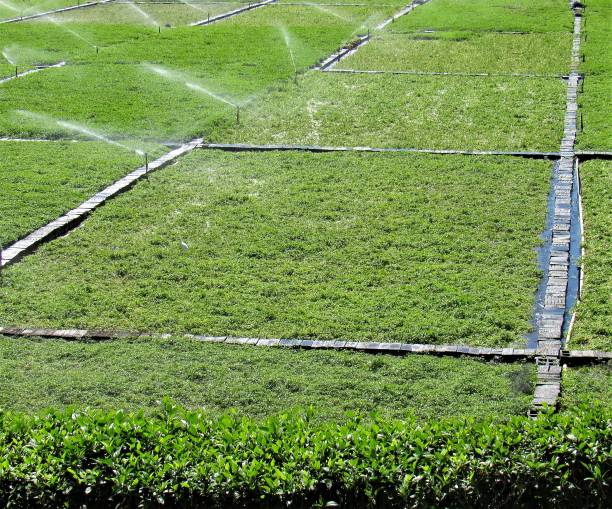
x=183, y=459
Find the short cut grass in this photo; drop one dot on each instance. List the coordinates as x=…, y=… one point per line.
x=135, y=375
x=41, y=181
x=587, y=385
x=426, y=112
x=593, y=327
x=467, y=52
x=384, y=247
x=489, y=15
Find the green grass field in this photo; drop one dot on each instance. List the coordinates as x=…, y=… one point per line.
x=164, y=15
x=439, y=112
x=597, y=30
x=593, y=327
x=256, y=382
x=383, y=247
x=362, y=246
x=488, y=15
x=122, y=95
x=353, y=245
x=588, y=385
x=17, y=8
x=471, y=52
x=594, y=100
x=41, y=181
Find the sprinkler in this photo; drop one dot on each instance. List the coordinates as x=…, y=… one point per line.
x=209, y=17
x=159, y=29
x=16, y=73
x=238, y=115
x=146, y=163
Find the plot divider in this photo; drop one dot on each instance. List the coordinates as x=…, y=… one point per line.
x=55, y=11
x=560, y=289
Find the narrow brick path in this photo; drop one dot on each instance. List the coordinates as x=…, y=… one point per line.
x=463, y=74
x=373, y=347
x=245, y=147
x=354, y=45
x=550, y=320
x=73, y=218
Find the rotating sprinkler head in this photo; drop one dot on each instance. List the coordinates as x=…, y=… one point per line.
x=238, y=115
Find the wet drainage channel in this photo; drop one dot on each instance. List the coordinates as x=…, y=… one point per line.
x=31, y=71
x=73, y=218
x=225, y=15
x=559, y=292
x=55, y=11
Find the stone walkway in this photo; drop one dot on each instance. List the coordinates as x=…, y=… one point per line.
x=373, y=347
x=73, y=218
x=550, y=320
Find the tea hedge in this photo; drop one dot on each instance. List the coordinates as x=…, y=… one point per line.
x=182, y=459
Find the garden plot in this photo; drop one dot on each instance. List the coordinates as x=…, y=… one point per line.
x=41, y=181
x=15, y=8
x=593, y=327
x=594, y=99
x=594, y=102
x=256, y=382
x=44, y=42
x=488, y=15
x=362, y=17
x=597, y=30
x=169, y=86
x=153, y=14
x=439, y=112
x=588, y=385
x=384, y=247
x=465, y=52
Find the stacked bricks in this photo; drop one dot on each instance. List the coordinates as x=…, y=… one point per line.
x=551, y=321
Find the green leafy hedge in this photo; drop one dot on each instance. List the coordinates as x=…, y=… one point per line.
x=183, y=459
